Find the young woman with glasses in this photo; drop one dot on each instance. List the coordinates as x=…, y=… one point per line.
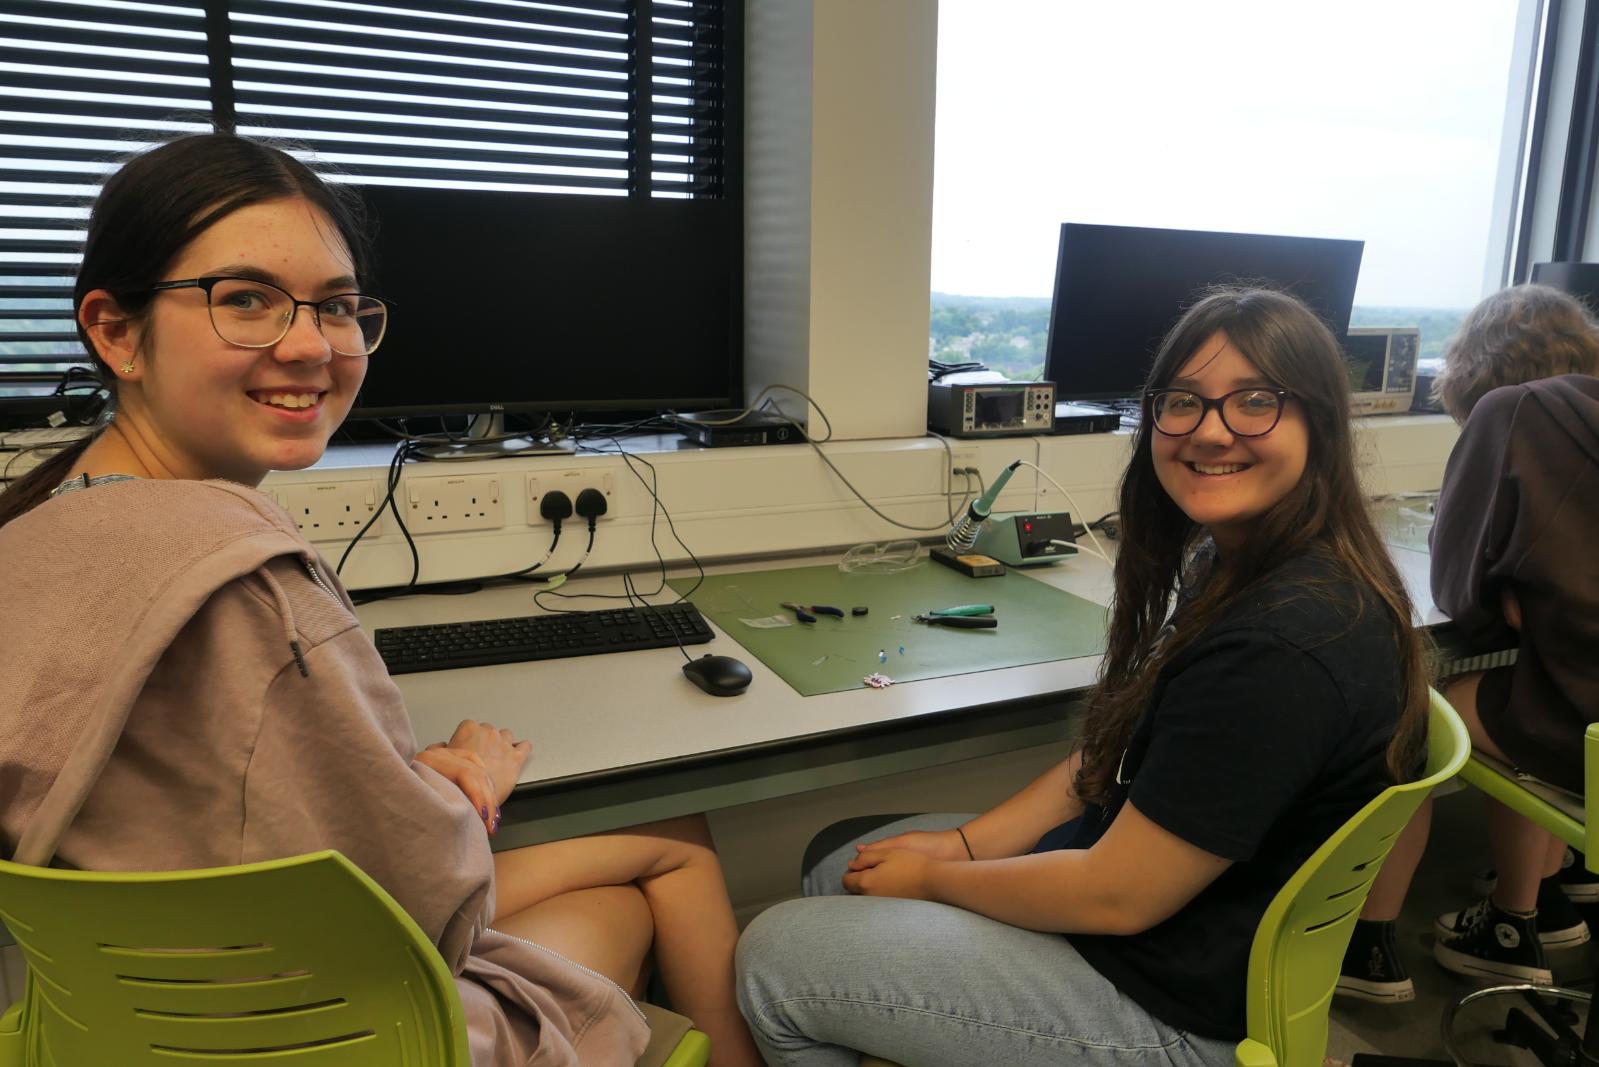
x=1262, y=683
x=187, y=685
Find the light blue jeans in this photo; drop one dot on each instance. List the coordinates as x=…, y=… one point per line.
x=926, y=985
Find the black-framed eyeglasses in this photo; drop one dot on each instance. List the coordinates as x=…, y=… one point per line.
x=1252, y=412
x=256, y=314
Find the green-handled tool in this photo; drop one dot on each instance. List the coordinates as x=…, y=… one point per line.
x=964, y=609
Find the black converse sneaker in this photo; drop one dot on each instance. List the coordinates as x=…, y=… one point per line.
x=1559, y=924
x=1372, y=969
x=1487, y=941
x=1580, y=885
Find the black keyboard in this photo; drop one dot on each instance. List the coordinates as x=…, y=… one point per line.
x=442, y=646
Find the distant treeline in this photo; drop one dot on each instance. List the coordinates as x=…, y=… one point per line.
x=1009, y=333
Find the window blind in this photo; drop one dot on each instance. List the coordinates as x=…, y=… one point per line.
x=621, y=98
x=592, y=97
x=82, y=83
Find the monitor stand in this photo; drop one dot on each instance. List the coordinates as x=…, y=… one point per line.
x=487, y=439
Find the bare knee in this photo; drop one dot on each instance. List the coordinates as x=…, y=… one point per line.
x=608, y=929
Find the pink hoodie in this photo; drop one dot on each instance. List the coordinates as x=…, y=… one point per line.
x=186, y=685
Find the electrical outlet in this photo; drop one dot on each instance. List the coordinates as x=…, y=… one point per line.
x=571, y=483
x=331, y=511
x=453, y=503
x=963, y=457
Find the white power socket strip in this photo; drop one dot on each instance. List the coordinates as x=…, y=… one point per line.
x=453, y=503
x=331, y=511
x=570, y=482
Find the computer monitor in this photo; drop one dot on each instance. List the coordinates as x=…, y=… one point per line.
x=1119, y=289
x=537, y=302
x=1581, y=280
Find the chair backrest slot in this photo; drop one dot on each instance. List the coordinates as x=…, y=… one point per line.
x=221, y=953
x=256, y=1013
x=1358, y=887
x=1330, y=922
x=13, y=923
x=270, y=1050
x=257, y=979
x=1373, y=859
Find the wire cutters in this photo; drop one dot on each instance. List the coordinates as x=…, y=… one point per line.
x=799, y=611
x=959, y=622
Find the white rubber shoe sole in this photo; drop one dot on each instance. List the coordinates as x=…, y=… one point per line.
x=1376, y=992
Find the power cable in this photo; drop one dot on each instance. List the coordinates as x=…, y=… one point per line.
x=763, y=402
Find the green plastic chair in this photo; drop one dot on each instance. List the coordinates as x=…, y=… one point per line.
x=1566, y=816
x=303, y=960
x=1300, y=942
x=1563, y=814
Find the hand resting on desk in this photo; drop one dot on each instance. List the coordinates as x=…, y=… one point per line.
x=483, y=762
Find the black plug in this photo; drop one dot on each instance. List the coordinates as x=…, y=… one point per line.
x=591, y=504
x=555, y=506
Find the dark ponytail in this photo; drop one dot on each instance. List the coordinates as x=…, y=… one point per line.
x=148, y=212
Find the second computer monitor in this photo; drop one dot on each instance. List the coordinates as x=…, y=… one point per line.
x=1118, y=289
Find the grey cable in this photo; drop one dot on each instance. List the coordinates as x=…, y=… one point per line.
x=763, y=401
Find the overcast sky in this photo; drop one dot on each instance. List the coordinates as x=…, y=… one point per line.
x=1371, y=119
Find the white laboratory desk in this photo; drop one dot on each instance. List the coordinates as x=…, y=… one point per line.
x=623, y=738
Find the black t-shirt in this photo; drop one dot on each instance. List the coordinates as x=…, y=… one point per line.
x=1265, y=735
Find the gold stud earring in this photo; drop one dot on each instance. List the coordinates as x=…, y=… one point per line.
x=127, y=366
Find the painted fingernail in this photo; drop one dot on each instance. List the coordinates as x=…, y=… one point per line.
x=494, y=827
x=484, y=811
x=497, y=815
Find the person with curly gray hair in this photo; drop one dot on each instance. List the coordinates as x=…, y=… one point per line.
x=1513, y=567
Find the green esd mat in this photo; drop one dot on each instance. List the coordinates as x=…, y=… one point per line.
x=1404, y=523
x=1037, y=623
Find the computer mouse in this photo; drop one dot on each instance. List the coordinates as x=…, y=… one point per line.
x=720, y=676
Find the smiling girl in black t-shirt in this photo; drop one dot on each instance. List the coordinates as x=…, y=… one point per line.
x=1262, y=683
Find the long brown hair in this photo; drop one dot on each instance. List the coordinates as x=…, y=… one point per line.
x=1324, y=513
x=147, y=213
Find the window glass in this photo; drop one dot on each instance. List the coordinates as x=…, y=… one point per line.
x=1367, y=119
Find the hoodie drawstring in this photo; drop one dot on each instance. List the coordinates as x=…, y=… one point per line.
x=289, y=629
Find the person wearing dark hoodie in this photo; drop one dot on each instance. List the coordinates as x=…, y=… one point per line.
x=1513, y=566
x=186, y=683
